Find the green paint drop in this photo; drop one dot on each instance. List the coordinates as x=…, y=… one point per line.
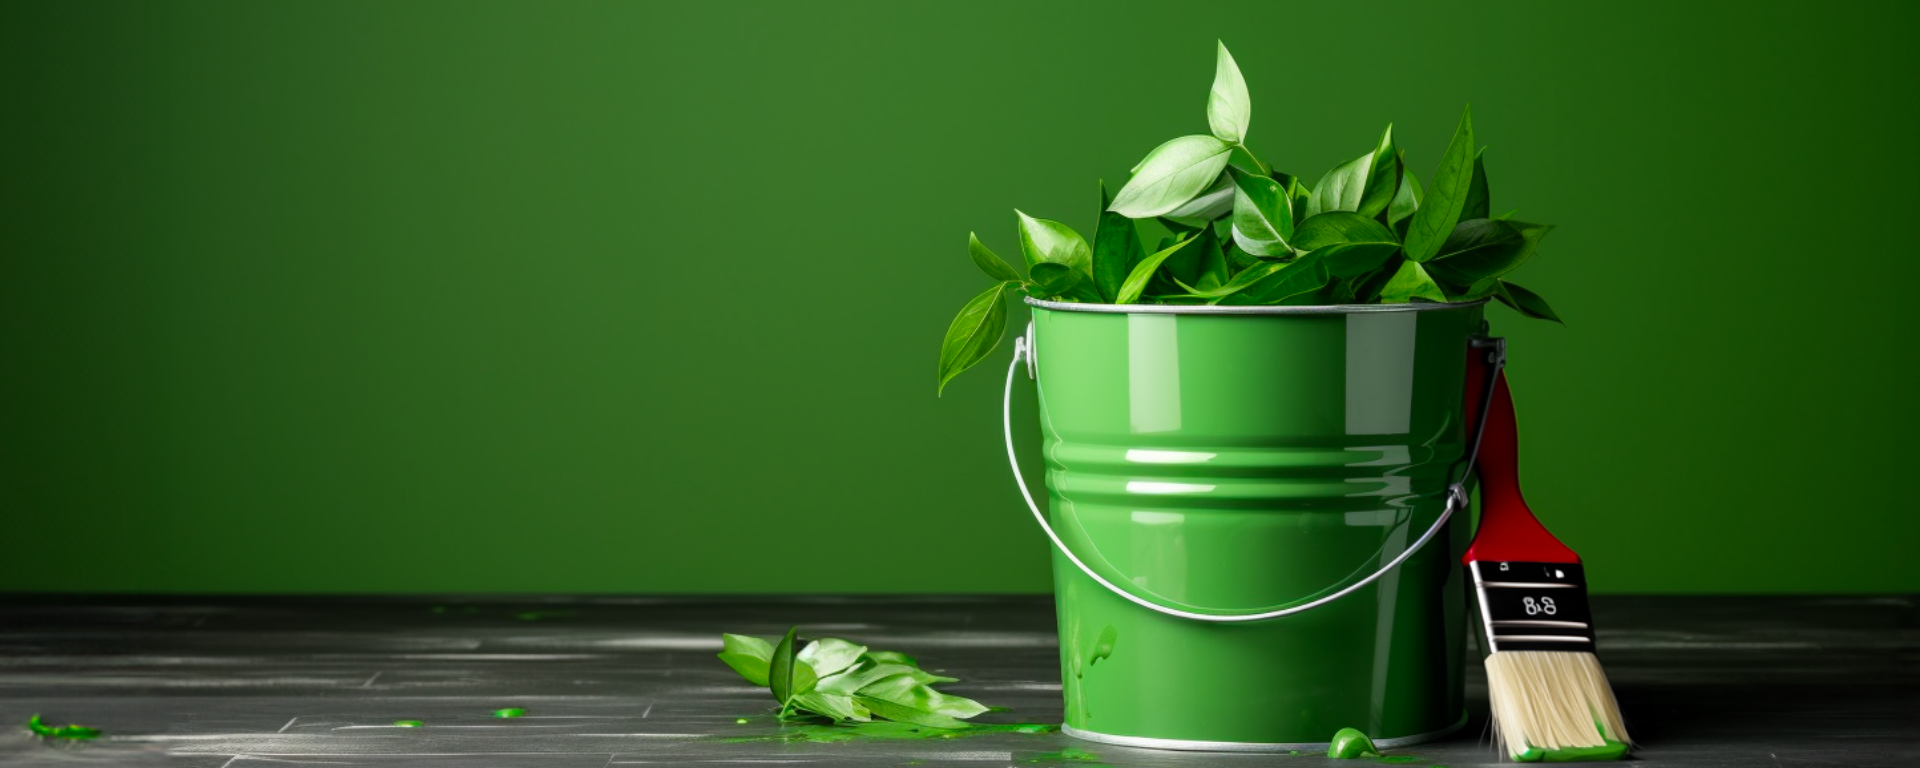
x=408, y=723
x=1068, y=755
x=1350, y=744
x=1103, y=648
x=60, y=731
x=509, y=712
x=740, y=721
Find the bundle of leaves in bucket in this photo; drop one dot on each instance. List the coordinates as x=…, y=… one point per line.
x=1230, y=230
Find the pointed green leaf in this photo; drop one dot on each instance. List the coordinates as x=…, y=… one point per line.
x=1296, y=279
x=902, y=690
x=1044, y=241
x=1262, y=215
x=1486, y=248
x=1479, y=203
x=988, y=261
x=786, y=674
x=1215, y=201
x=1172, y=174
x=1213, y=263
x=1526, y=302
x=1383, y=172
x=1342, y=188
x=1446, y=197
x=861, y=675
x=838, y=707
x=1405, y=201
x=1229, y=109
x=1346, y=260
x=900, y=713
x=1144, y=271
x=828, y=655
x=892, y=657
x=1059, y=281
x=1335, y=227
x=747, y=655
x=974, y=333
x=1116, y=248
x=1409, y=283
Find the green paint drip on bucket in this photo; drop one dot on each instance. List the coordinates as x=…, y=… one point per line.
x=1350, y=744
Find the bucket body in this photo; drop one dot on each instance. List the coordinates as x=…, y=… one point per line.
x=1233, y=462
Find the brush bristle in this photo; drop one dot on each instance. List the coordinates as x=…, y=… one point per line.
x=1551, y=700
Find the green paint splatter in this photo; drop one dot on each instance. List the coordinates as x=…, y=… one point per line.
x=1068, y=755
x=60, y=731
x=794, y=733
x=740, y=720
x=1611, y=750
x=543, y=615
x=408, y=723
x=509, y=712
x=1349, y=744
x=1103, y=648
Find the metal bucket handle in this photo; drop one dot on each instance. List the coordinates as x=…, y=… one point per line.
x=1456, y=496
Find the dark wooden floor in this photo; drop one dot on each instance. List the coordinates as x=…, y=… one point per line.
x=247, y=682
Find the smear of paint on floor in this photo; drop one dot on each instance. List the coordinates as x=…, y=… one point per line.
x=60, y=731
x=408, y=723
x=509, y=712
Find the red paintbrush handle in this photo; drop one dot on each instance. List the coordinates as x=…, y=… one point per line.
x=1508, y=530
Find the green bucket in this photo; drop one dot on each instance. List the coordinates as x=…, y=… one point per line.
x=1253, y=519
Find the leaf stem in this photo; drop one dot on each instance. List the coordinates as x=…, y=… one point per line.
x=1264, y=169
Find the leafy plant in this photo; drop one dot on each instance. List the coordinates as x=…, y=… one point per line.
x=845, y=682
x=1240, y=233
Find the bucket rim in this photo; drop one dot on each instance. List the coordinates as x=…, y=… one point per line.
x=1210, y=309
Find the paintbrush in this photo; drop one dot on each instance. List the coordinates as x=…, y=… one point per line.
x=1550, y=698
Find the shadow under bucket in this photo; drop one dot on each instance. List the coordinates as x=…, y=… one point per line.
x=1254, y=517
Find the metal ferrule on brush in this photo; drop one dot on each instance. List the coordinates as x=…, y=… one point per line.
x=1533, y=606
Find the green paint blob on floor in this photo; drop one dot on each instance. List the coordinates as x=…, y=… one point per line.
x=1350, y=744
x=408, y=723
x=1612, y=750
x=509, y=712
x=794, y=733
x=60, y=731
x=1068, y=755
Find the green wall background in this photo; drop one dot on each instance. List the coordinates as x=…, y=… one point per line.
x=645, y=297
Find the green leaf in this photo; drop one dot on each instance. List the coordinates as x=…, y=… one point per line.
x=861, y=675
x=1292, y=280
x=1059, y=281
x=1051, y=242
x=828, y=655
x=1383, y=172
x=1446, y=197
x=1116, y=248
x=1300, y=195
x=1335, y=227
x=988, y=261
x=747, y=655
x=1479, y=204
x=903, y=690
x=892, y=657
x=1345, y=260
x=1486, y=248
x=1526, y=302
x=974, y=333
x=1409, y=283
x=786, y=674
x=1210, y=204
x=1366, y=288
x=1262, y=215
x=1342, y=188
x=1405, y=201
x=1172, y=174
x=840, y=708
x=1142, y=272
x=1212, y=263
x=904, y=714
x=1229, y=109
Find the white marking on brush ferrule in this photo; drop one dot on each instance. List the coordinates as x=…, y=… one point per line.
x=1540, y=623
x=1541, y=639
